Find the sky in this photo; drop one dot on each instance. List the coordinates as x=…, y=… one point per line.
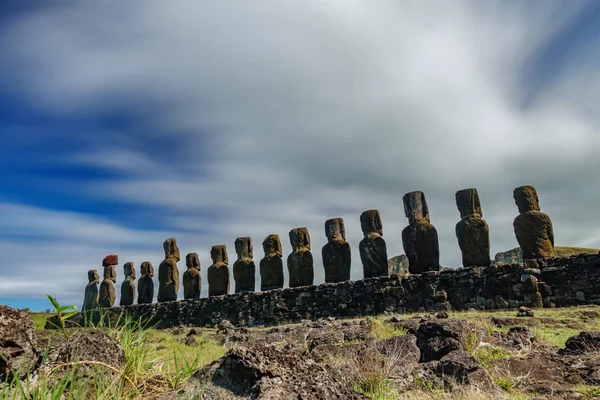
x=123, y=124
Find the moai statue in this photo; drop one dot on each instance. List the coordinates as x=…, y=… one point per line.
x=168, y=273
x=106, y=295
x=90, y=299
x=271, y=267
x=300, y=262
x=218, y=272
x=192, y=283
x=146, y=284
x=533, y=228
x=472, y=231
x=336, y=253
x=419, y=238
x=244, y=269
x=128, y=285
x=373, y=250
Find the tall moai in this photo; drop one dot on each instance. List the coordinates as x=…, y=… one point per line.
x=107, y=295
x=419, y=238
x=244, y=269
x=300, y=261
x=336, y=252
x=271, y=266
x=373, y=250
x=168, y=273
x=472, y=231
x=128, y=285
x=192, y=283
x=218, y=272
x=90, y=299
x=146, y=284
x=533, y=228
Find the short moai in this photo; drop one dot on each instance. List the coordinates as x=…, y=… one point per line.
x=168, y=273
x=107, y=295
x=90, y=299
x=373, y=250
x=146, y=284
x=244, y=269
x=472, y=231
x=128, y=285
x=300, y=261
x=419, y=238
x=271, y=266
x=533, y=228
x=336, y=252
x=192, y=283
x=218, y=272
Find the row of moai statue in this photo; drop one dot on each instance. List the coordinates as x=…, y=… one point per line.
x=533, y=230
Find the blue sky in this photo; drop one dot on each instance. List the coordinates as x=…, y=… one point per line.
x=124, y=124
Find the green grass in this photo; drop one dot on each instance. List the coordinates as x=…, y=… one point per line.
x=383, y=330
x=39, y=319
x=488, y=355
x=554, y=336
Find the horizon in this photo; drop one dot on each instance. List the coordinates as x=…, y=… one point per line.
x=124, y=126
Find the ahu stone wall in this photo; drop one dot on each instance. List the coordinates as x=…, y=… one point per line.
x=553, y=282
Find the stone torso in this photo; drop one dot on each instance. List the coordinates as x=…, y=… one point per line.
x=534, y=233
x=301, y=270
x=420, y=242
x=336, y=260
x=145, y=290
x=474, y=241
x=244, y=272
x=168, y=278
x=127, y=292
x=191, y=284
x=218, y=279
x=90, y=299
x=271, y=273
x=373, y=254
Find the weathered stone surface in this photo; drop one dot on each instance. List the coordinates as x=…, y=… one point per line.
x=107, y=295
x=128, y=285
x=19, y=352
x=218, y=272
x=244, y=269
x=300, y=261
x=90, y=299
x=533, y=228
x=111, y=259
x=398, y=265
x=584, y=342
x=472, y=231
x=192, y=284
x=271, y=266
x=419, y=238
x=146, y=284
x=372, y=248
x=168, y=273
x=336, y=253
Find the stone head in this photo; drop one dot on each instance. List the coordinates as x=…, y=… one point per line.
x=415, y=207
x=243, y=247
x=110, y=273
x=334, y=229
x=129, y=270
x=526, y=199
x=300, y=239
x=147, y=269
x=192, y=261
x=218, y=254
x=111, y=259
x=468, y=203
x=370, y=222
x=93, y=276
x=272, y=245
x=171, y=249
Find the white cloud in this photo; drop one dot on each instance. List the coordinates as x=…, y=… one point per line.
x=283, y=114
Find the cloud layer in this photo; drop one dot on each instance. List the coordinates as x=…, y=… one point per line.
x=251, y=118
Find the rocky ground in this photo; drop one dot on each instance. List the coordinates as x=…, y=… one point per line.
x=471, y=355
